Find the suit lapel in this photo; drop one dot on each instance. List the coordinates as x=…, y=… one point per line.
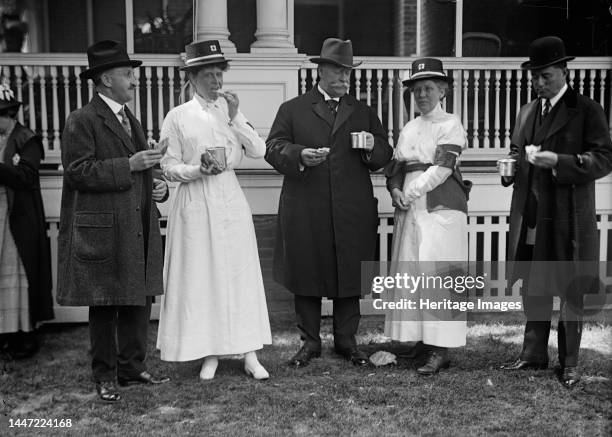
x=562, y=117
x=320, y=107
x=530, y=119
x=112, y=123
x=138, y=135
x=345, y=109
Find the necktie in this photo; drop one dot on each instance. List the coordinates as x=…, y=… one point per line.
x=333, y=105
x=546, y=109
x=125, y=122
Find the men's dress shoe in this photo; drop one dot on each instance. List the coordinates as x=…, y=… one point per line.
x=354, y=355
x=435, y=362
x=569, y=376
x=303, y=357
x=107, y=391
x=144, y=378
x=417, y=350
x=520, y=364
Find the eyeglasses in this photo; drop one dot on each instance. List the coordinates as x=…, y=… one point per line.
x=426, y=89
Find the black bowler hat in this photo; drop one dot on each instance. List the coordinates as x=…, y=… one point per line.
x=425, y=68
x=337, y=52
x=105, y=55
x=544, y=52
x=7, y=98
x=203, y=53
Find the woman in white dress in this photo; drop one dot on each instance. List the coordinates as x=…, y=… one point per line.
x=430, y=198
x=214, y=302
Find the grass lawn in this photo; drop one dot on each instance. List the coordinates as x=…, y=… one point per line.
x=330, y=397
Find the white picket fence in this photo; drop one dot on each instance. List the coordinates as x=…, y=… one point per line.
x=487, y=227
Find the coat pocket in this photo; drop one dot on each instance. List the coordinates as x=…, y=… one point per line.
x=94, y=238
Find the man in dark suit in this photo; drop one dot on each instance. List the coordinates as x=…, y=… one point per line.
x=327, y=217
x=561, y=144
x=109, y=234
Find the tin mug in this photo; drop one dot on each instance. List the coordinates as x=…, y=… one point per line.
x=217, y=156
x=358, y=140
x=506, y=166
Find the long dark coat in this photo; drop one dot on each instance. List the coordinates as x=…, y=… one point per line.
x=566, y=220
x=102, y=257
x=327, y=216
x=27, y=217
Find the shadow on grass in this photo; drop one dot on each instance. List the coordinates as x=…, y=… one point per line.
x=329, y=397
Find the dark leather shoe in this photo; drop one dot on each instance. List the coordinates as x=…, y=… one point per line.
x=435, y=362
x=520, y=364
x=107, y=391
x=144, y=378
x=303, y=357
x=417, y=350
x=569, y=376
x=354, y=355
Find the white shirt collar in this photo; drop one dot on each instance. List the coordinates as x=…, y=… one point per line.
x=556, y=98
x=204, y=103
x=327, y=96
x=114, y=106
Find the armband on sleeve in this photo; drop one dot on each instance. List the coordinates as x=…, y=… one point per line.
x=447, y=155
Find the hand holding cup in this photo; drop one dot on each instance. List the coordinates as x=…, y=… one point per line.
x=362, y=140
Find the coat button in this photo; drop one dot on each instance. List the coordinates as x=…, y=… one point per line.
x=138, y=208
x=140, y=234
x=129, y=155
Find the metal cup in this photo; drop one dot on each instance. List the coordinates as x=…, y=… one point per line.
x=358, y=140
x=217, y=156
x=506, y=166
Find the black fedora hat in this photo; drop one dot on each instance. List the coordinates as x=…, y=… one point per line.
x=105, y=55
x=544, y=52
x=202, y=53
x=7, y=98
x=425, y=68
x=338, y=52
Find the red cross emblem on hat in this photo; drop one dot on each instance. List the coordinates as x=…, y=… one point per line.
x=421, y=66
x=213, y=48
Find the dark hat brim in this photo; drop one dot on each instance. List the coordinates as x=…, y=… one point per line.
x=527, y=65
x=204, y=62
x=91, y=72
x=444, y=78
x=319, y=60
x=9, y=105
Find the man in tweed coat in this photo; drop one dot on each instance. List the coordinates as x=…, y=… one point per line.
x=109, y=240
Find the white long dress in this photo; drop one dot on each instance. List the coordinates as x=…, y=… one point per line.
x=419, y=235
x=214, y=301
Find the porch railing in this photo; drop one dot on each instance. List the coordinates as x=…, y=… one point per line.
x=486, y=92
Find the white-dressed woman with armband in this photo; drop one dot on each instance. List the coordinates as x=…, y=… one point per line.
x=430, y=198
x=214, y=302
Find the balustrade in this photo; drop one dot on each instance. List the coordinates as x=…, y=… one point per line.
x=485, y=92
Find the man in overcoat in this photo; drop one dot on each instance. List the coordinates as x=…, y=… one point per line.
x=327, y=217
x=561, y=144
x=109, y=240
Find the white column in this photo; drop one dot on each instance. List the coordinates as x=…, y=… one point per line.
x=273, y=27
x=210, y=18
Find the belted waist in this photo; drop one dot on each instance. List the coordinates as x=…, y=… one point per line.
x=410, y=166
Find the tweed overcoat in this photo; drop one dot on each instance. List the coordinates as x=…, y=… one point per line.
x=565, y=220
x=102, y=258
x=327, y=216
x=27, y=217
